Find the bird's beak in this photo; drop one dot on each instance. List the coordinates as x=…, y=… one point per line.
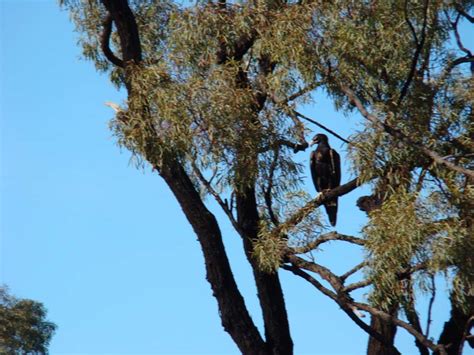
x=313, y=142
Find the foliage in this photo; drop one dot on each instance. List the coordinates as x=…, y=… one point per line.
x=23, y=327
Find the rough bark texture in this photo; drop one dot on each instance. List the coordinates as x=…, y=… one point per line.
x=270, y=294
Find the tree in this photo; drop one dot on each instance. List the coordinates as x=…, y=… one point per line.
x=23, y=326
x=214, y=91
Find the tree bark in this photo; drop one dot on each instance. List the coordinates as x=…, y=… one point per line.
x=270, y=294
x=387, y=330
x=452, y=336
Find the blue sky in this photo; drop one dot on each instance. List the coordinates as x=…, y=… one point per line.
x=104, y=245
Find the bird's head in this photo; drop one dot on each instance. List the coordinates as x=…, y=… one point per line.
x=319, y=138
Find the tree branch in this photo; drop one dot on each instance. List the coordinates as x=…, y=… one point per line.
x=105, y=39
x=322, y=126
x=127, y=29
x=326, y=238
x=430, y=305
x=343, y=302
x=323, y=197
x=402, y=137
x=218, y=199
x=419, y=47
x=352, y=271
x=387, y=317
x=267, y=191
x=356, y=285
x=233, y=312
x=463, y=12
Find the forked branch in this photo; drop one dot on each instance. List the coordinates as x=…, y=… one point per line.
x=105, y=42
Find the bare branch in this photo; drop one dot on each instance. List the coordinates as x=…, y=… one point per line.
x=267, y=191
x=463, y=12
x=353, y=270
x=322, y=126
x=389, y=318
x=326, y=238
x=301, y=92
x=322, y=271
x=412, y=315
x=343, y=302
x=297, y=271
x=419, y=48
x=430, y=305
x=454, y=25
x=402, y=137
x=217, y=197
x=356, y=285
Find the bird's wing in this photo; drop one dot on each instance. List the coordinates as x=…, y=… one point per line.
x=313, y=167
x=335, y=168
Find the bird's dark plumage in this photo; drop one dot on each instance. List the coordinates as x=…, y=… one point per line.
x=325, y=166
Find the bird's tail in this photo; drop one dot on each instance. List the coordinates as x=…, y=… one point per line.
x=331, y=210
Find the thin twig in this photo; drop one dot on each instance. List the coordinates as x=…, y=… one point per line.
x=218, y=199
x=419, y=48
x=267, y=191
x=430, y=305
x=322, y=126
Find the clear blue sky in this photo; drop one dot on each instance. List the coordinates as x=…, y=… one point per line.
x=105, y=246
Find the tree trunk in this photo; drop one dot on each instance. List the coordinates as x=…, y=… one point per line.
x=387, y=330
x=270, y=294
x=233, y=312
x=452, y=336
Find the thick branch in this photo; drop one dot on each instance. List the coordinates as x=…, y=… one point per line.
x=127, y=29
x=234, y=315
x=105, y=42
x=402, y=137
x=270, y=293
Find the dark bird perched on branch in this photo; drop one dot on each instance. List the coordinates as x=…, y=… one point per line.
x=325, y=166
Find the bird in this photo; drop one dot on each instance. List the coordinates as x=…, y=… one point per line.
x=325, y=166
